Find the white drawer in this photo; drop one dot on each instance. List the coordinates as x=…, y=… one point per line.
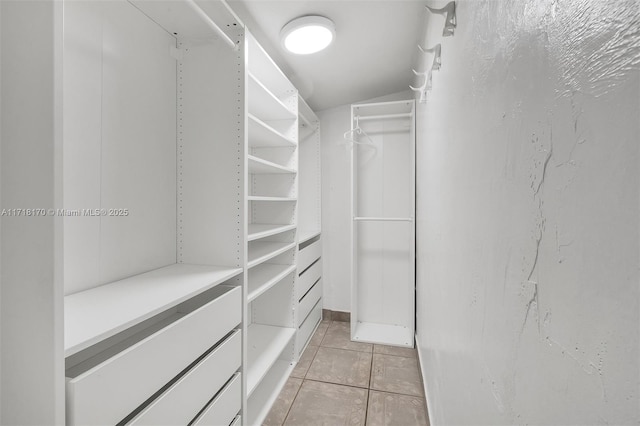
x=108, y=392
x=225, y=406
x=237, y=421
x=309, y=254
x=179, y=404
x=308, y=279
x=308, y=326
x=308, y=301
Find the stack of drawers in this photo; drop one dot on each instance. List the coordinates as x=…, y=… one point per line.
x=309, y=289
x=179, y=367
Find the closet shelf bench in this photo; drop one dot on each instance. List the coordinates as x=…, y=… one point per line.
x=96, y=314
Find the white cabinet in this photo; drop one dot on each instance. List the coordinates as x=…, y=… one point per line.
x=309, y=285
x=179, y=215
x=272, y=223
x=153, y=198
x=383, y=225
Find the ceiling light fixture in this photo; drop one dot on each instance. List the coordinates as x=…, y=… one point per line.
x=307, y=34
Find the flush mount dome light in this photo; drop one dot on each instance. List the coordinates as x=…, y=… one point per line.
x=307, y=34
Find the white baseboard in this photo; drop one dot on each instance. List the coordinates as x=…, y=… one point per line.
x=424, y=381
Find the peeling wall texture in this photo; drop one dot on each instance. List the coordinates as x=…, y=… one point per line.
x=528, y=216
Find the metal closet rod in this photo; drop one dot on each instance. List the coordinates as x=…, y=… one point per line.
x=382, y=219
x=207, y=19
x=383, y=116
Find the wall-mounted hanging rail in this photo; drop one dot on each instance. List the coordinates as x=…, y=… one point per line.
x=383, y=116
x=207, y=19
x=437, y=55
x=450, y=20
x=382, y=219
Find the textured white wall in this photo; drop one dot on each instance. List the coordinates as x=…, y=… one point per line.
x=528, y=216
x=336, y=203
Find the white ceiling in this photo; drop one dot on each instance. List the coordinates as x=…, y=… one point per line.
x=372, y=54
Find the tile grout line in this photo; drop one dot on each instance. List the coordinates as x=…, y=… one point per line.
x=337, y=384
x=292, y=402
x=366, y=408
x=303, y=379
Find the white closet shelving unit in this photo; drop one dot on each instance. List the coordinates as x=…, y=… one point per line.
x=309, y=282
x=383, y=225
x=153, y=283
x=272, y=199
x=180, y=235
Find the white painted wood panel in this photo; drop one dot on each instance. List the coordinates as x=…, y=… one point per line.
x=211, y=151
x=309, y=301
x=266, y=346
x=308, y=326
x=261, y=251
x=121, y=107
x=262, y=399
x=224, y=407
x=179, y=404
x=263, y=277
x=309, y=254
x=308, y=279
x=138, y=167
x=109, y=391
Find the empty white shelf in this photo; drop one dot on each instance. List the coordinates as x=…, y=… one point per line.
x=265, y=344
x=305, y=132
x=267, y=392
x=265, y=276
x=260, y=166
x=261, y=251
x=265, y=105
x=260, y=198
x=305, y=112
x=306, y=234
x=262, y=66
x=264, y=136
x=261, y=230
x=386, y=334
x=93, y=315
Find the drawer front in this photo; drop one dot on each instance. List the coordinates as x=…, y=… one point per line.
x=308, y=326
x=308, y=255
x=179, y=404
x=309, y=301
x=109, y=392
x=237, y=421
x=226, y=405
x=308, y=279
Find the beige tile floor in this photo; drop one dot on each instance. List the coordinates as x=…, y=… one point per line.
x=340, y=382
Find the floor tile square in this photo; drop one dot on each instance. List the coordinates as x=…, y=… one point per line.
x=395, y=350
x=394, y=410
x=305, y=362
x=339, y=336
x=396, y=374
x=341, y=366
x=319, y=334
x=280, y=408
x=327, y=404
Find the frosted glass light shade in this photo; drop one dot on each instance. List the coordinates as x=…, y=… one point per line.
x=307, y=34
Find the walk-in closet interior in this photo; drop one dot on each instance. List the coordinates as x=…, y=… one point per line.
x=427, y=213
